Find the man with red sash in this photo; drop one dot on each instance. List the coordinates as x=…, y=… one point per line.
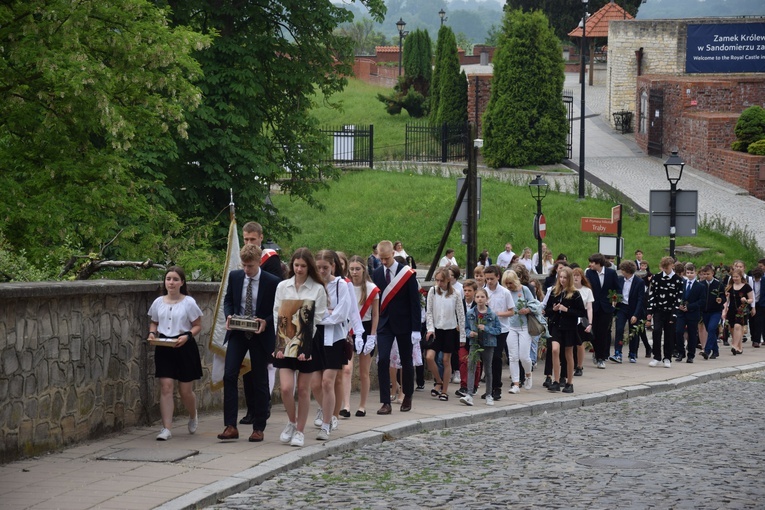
x=399, y=322
x=252, y=233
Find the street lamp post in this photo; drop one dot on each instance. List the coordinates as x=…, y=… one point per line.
x=673, y=167
x=400, y=24
x=442, y=15
x=581, y=108
x=538, y=188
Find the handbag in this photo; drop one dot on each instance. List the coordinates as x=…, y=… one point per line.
x=535, y=327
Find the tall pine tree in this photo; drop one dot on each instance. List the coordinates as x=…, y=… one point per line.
x=525, y=121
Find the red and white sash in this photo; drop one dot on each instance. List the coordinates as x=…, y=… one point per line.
x=266, y=254
x=395, y=285
x=368, y=303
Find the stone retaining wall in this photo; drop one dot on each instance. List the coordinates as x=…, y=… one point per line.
x=74, y=364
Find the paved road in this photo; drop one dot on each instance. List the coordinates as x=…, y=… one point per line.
x=694, y=447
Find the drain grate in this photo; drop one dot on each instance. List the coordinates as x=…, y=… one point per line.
x=149, y=455
x=614, y=462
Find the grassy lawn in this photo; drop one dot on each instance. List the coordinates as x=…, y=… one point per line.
x=366, y=206
x=359, y=105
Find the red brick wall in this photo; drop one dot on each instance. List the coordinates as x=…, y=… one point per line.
x=368, y=71
x=482, y=85
x=743, y=170
x=699, y=118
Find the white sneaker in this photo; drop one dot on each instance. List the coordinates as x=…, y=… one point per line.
x=193, y=423
x=333, y=424
x=514, y=389
x=654, y=363
x=527, y=383
x=297, y=439
x=667, y=363
x=489, y=400
x=164, y=435
x=319, y=418
x=456, y=378
x=288, y=433
x=323, y=435
x=467, y=400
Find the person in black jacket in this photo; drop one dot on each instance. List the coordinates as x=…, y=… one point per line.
x=714, y=297
x=564, y=307
x=665, y=295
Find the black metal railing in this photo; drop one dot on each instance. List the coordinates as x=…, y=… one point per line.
x=432, y=142
x=568, y=101
x=349, y=145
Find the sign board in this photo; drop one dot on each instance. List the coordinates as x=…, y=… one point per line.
x=616, y=213
x=611, y=246
x=599, y=226
x=540, y=227
x=725, y=48
x=462, y=213
x=686, y=215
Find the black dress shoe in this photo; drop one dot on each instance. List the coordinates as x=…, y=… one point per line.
x=679, y=358
x=247, y=420
x=548, y=382
x=689, y=360
x=705, y=354
x=361, y=413
x=406, y=404
x=555, y=386
x=578, y=371
x=385, y=409
x=569, y=388
x=345, y=413
x=714, y=355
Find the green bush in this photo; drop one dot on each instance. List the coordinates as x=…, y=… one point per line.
x=414, y=103
x=749, y=128
x=757, y=148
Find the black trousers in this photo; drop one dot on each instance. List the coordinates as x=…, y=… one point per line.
x=261, y=397
x=496, y=364
x=601, y=332
x=757, y=324
x=385, y=339
x=664, y=324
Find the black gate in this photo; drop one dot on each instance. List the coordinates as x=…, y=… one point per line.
x=349, y=145
x=568, y=101
x=432, y=142
x=655, y=123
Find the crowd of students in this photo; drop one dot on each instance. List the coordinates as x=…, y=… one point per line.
x=373, y=308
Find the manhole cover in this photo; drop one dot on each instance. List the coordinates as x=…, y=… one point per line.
x=149, y=455
x=614, y=462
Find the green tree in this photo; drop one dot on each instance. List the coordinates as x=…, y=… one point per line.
x=435, y=84
x=452, y=84
x=85, y=87
x=364, y=36
x=750, y=128
x=413, y=87
x=525, y=120
x=254, y=128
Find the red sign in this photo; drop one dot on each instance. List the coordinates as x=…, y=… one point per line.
x=616, y=213
x=542, y=226
x=599, y=225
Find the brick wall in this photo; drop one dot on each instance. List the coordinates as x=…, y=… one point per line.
x=479, y=92
x=739, y=168
x=368, y=71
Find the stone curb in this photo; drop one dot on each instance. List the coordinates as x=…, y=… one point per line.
x=214, y=492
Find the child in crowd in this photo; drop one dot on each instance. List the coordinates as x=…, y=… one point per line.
x=469, y=288
x=483, y=327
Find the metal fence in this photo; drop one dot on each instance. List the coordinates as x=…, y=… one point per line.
x=349, y=145
x=568, y=101
x=431, y=142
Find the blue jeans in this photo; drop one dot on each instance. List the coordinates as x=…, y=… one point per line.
x=534, y=347
x=711, y=321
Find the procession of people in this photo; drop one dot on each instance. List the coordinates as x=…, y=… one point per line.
x=308, y=319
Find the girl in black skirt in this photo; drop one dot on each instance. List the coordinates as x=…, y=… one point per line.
x=564, y=307
x=176, y=316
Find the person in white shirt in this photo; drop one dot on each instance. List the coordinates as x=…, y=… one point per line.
x=503, y=260
x=502, y=304
x=535, y=257
x=446, y=330
x=448, y=259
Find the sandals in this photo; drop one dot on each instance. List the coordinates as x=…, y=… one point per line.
x=434, y=392
x=443, y=397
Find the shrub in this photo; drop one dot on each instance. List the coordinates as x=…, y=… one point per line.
x=757, y=148
x=749, y=128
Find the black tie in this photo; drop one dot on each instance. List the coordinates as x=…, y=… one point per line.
x=387, y=275
x=248, y=306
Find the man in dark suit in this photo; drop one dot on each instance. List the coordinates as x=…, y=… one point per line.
x=251, y=293
x=252, y=233
x=689, y=314
x=630, y=310
x=399, y=321
x=603, y=280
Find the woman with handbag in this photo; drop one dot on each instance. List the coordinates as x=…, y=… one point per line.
x=564, y=307
x=519, y=338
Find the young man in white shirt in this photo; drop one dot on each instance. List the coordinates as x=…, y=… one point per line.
x=501, y=303
x=504, y=259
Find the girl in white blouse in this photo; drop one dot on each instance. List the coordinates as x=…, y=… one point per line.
x=176, y=316
x=445, y=319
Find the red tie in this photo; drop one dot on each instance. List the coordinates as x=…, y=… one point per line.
x=387, y=275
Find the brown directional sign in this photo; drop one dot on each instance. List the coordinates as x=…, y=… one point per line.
x=599, y=226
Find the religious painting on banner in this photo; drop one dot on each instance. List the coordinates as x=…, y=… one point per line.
x=294, y=331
